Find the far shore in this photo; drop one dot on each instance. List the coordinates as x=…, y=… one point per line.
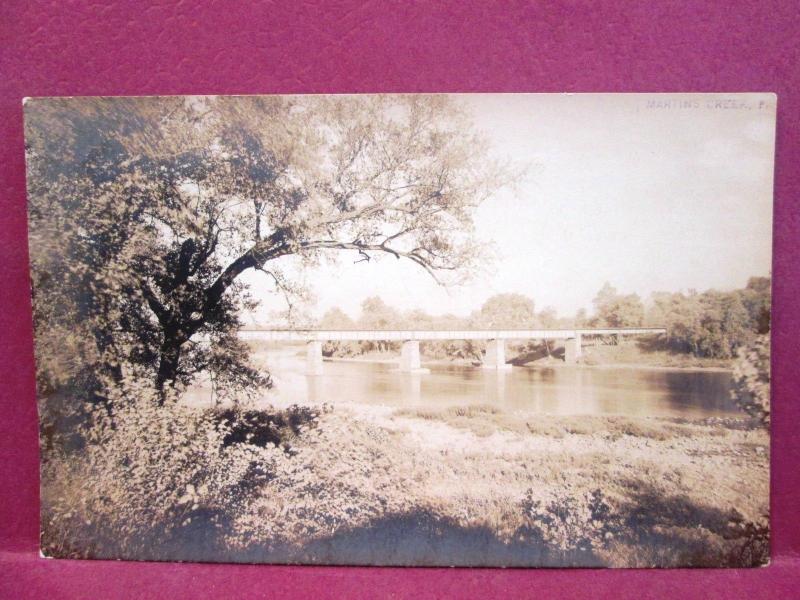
x=556, y=364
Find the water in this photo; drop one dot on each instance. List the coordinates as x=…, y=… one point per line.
x=563, y=390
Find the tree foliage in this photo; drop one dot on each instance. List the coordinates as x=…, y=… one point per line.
x=616, y=310
x=507, y=311
x=713, y=324
x=751, y=378
x=503, y=311
x=336, y=318
x=144, y=213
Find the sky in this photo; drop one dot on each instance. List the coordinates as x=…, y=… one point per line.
x=648, y=192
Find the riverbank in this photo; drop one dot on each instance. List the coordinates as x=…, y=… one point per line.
x=479, y=485
x=458, y=485
x=627, y=355
x=635, y=353
x=556, y=363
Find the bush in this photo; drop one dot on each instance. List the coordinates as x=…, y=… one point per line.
x=62, y=423
x=264, y=429
x=664, y=532
x=573, y=523
x=341, y=348
x=751, y=378
x=144, y=476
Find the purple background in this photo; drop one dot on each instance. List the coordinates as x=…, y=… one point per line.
x=66, y=47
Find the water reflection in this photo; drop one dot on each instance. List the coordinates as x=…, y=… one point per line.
x=314, y=391
x=561, y=390
x=494, y=384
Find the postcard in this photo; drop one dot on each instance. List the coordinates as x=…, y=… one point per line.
x=527, y=330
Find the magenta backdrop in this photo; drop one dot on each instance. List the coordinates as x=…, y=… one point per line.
x=226, y=47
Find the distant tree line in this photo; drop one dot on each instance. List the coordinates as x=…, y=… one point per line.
x=710, y=324
x=502, y=311
x=713, y=324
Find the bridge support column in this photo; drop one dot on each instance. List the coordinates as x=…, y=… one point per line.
x=409, y=356
x=495, y=355
x=573, y=350
x=314, y=358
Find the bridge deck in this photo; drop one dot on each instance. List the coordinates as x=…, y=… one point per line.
x=308, y=335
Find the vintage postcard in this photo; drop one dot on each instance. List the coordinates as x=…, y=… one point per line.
x=472, y=330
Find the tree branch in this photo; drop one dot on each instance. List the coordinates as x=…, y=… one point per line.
x=155, y=305
x=363, y=248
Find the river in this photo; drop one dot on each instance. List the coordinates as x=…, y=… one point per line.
x=562, y=390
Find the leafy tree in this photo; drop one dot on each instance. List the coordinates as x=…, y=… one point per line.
x=145, y=212
x=606, y=296
x=376, y=314
x=507, y=311
x=725, y=325
x=615, y=310
x=336, y=318
x=419, y=319
x=548, y=318
x=466, y=349
x=757, y=299
x=751, y=379
x=712, y=324
x=682, y=316
x=581, y=318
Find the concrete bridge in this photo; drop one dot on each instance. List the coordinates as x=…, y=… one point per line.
x=409, y=357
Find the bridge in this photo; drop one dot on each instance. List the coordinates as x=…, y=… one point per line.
x=409, y=356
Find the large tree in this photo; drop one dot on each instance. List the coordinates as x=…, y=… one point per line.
x=145, y=212
x=617, y=310
x=757, y=299
x=507, y=311
x=712, y=324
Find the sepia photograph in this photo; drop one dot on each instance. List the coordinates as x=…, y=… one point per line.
x=487, y=330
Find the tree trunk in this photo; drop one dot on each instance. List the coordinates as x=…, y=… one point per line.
x=168, y=364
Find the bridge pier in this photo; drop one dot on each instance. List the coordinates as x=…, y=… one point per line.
x=409, y=356
x=572, y=349
x=495, y=355
x=314, y=358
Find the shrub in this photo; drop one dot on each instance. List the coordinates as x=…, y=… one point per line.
x=144, y=476
x=572, y=523
x=345, y=476
x=751, y=541
x=262, y=428
x=751, y=379
x=664, y=532
x=62, y=423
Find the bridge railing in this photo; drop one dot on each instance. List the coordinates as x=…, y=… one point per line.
x=309, y=335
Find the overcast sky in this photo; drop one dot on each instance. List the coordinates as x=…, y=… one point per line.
x=648, y=192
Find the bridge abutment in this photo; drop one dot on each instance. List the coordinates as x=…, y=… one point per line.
x=495, y=355
x=314, y=358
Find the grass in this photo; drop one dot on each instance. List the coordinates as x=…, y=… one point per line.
x=646, y=352
x=484, y=420
x=476, y=485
